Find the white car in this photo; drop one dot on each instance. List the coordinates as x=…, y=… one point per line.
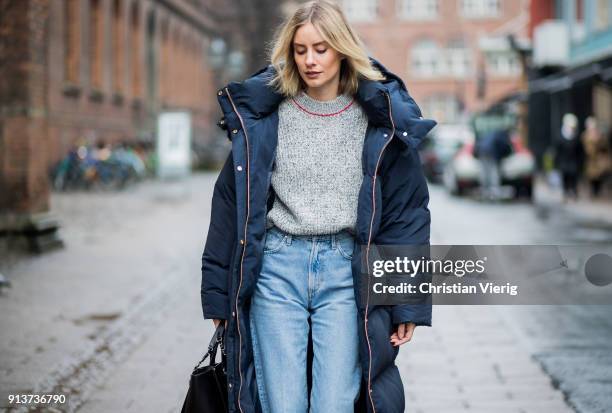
x=463, y=172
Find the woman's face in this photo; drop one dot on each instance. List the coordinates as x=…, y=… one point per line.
x=317, y=62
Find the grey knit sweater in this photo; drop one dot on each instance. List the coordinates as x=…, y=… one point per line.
x=317, y=172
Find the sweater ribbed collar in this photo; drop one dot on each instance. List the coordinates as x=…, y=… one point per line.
x=323, y=107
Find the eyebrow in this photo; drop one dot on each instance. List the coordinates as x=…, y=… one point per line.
x=315, y=44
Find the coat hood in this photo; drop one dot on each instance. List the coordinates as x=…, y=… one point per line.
x=255, y=99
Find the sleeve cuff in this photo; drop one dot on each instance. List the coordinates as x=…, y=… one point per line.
x=215, y=305
x=419, y=314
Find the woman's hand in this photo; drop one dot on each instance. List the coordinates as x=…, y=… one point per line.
x=216, y=321
x=403, y=334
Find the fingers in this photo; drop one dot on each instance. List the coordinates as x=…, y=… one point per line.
x=403, y=334
x=401, y=331
x=409, y=330
x=217, y=321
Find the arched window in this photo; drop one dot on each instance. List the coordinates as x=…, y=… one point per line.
x=427, y=59
x=72, y=41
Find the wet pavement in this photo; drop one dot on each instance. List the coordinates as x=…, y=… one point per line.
x=570, y=343
x=114, y=320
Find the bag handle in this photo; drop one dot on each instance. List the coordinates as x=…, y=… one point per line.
x=217, y=339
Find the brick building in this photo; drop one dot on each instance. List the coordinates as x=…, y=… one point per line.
x=77, y=71
x=453, y=54
x=114, y=64
x=571, y=70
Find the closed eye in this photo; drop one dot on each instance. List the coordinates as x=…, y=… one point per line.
x=301, y=52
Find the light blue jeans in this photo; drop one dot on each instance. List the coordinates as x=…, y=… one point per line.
x=302, y=277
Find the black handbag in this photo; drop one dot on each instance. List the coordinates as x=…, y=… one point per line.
x=207, y=391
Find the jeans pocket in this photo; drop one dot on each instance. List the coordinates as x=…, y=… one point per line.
x=273, y=242
x=346, y=246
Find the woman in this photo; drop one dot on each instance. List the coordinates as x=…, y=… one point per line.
x=568, y=156
x=597, y=151
x=323, y=163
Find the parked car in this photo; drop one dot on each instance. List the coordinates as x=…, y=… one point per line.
x=462, y=173
x=439, y=147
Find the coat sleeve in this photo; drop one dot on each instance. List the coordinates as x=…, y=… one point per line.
x=405, y=218
x=220, y=245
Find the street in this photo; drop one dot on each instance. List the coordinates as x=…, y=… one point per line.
x=114, y=320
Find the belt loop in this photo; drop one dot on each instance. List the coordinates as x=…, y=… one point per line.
x=288, y=238
x=334, y=240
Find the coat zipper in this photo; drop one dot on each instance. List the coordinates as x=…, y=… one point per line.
x=365, y=324
x=246, y=137
x=367, y=249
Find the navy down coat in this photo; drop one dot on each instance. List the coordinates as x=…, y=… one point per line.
x=392, y=210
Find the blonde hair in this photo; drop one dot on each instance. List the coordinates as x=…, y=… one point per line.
x=327, y=17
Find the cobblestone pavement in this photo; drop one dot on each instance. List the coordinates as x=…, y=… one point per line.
x=122, y=299
x=511, y=346
x=114, y=320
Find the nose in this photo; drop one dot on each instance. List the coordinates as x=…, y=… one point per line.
x=309, y=58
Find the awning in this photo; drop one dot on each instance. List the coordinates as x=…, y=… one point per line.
x=550, y=84
x=566, y=79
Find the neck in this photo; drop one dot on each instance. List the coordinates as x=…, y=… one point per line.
x=324, y=92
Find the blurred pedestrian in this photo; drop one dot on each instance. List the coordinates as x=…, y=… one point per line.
x=597, y=152
x=491, y=149
x=568, y=154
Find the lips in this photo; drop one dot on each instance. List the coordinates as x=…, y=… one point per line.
x=312, y=74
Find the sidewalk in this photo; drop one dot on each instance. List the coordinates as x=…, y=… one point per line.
x=592, y=213
x=114, y=320
x=473, y=360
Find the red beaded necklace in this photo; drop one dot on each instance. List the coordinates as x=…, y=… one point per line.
x=323, y=114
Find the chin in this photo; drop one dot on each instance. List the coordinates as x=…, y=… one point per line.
x=314, y=82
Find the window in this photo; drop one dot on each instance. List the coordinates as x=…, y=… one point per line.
x=135, y=58
x=478, y=9
x=458, y=58
x=360, y=10
x=118, y=50
x=602, y=17
x=96, y=42
x=164, y=66
x=418, y=9
x=503, y=64
x=72, y=40
x=443, y=108
x=428, y=60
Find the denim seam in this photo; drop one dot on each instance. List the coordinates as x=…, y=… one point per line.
x=310, y=275
x=344, y=253
x=276, y=248
x=263, y=399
